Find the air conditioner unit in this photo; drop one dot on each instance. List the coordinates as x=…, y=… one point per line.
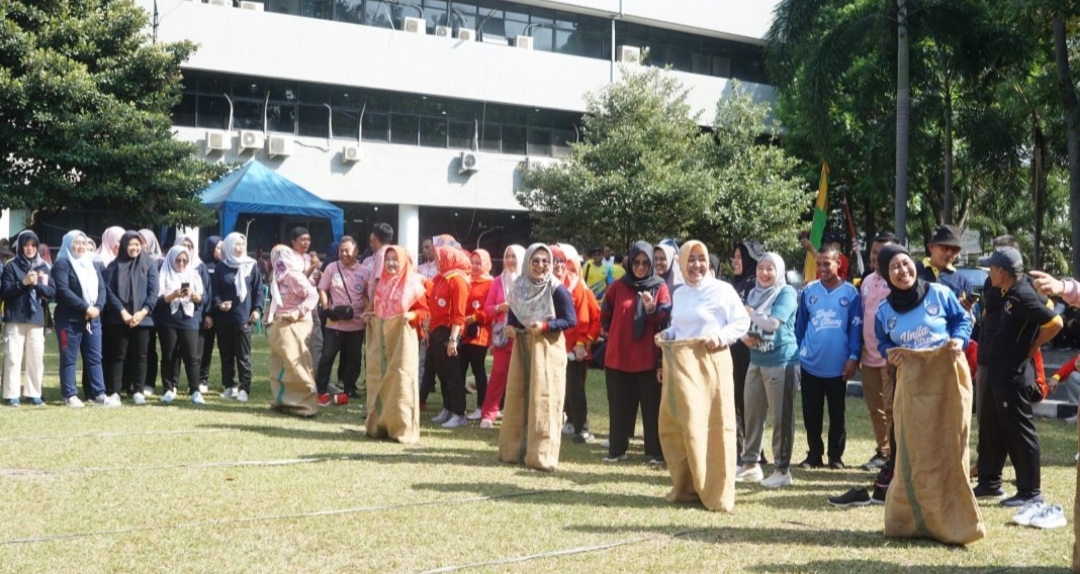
x=250, y=139
x=254, y=6
x=227, y=3
x=466, y=34
x=217, y=140
x=279, y=146
x=351, y=153
x=524, y=42
x=629, y=54
x=470, y=162
x=444, y=31
x=415, y=26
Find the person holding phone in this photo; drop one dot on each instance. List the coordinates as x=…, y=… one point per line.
x=237, y=303
x=177, y=316
x=25, y=290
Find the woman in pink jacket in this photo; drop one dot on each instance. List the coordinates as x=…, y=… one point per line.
x=496, y=307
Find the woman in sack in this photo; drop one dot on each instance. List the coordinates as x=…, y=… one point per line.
x=236, y=288
x=567, y=269
x=541, y=309
x=697, y=413
x=177, y=317
x=131, y=284
x=343, y=291
x=293, y=297
x=495, y=308
x=477, y=335
x=770, y=379
x=25, y=289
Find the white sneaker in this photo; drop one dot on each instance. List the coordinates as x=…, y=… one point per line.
x=168, y=397
x=101, y=400
x=242, y=396
x=228, y=393
x=475, y=415
x=777, y=480
x=442, y=417
x=139, y=398
x=486, y=424
x=568, y=429
x=1050, y=517
x=754, y=474
x=1027, y=512
x=74, y=402
x=456, y=421
x=196, y=398
x=333, y=389
x=148, y=392
x=112, y=400
x=203, y=389
x=605, y=444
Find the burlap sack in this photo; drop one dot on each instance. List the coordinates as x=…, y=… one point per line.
x=929, y=496
x=697, y=424
x=292, y=376
x=535, y=387
x=393, y=362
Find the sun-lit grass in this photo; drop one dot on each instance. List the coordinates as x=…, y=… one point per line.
x=156, y=489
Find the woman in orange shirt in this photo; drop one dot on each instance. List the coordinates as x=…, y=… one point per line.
x=477, y=337
x=447, y=300
x=567, y=269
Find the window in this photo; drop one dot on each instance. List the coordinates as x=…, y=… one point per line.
x=184, y=112
x=351, y=11
x=284, y=6
x=539, y=141
x=281, y=118
x=491, y=137
x=345, y=125
x=321, y=9
x=435, y=14
x=377, y=127
x=464, y=16
x=403, y=129
x=313, y=121
x=379, y=14
x=213, y=112
x=247, y=116
x=433, y=132
x=514, y=140
x=461, y=135
x=561, y=142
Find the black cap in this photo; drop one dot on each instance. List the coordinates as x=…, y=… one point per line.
x=946, y=235
x=1008, y=259
x=596, y=250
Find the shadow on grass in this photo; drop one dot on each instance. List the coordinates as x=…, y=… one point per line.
x=557, y=497
x=876, y=566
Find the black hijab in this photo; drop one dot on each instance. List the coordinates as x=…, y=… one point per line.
x=651, y=282
x=132, y=274
x=22, y=264
x=751, y=252
x=901, y=300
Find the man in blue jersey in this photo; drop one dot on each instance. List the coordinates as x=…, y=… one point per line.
x=828, y=327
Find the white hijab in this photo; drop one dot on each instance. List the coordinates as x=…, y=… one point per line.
x=83, y=266
x=243, y=264
x=170, y=279
x=508, y=276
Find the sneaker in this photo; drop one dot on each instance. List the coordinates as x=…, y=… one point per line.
x=456, y=421
x=168, y=397
x=148, y=392
x=442, y=417
x=982, y=491
x=341, y=399
x=334, y=389
x=836, y=465
x=138, y=398
x=778, y=479
x=1050, y=517
x=74, y=402
x=583, y=437
x=37, y=402
x=1028, y=512
x=228, y=393
x=853, y=497
x=324, y=400
x=242, y=396
x=11, y=402
x=752, y=474
x=112, y=400
x=619, y=458
x=474, y=416
x=876, y=462
x=810, y=463
x=196, y=398
x=1020, y=499
x=101, y=400
x=203, y=389
x=568, y=429
x=879, y=494
x=605, y=444
x=486, y=424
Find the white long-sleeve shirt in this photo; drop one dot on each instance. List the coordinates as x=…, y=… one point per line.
x=710, y=309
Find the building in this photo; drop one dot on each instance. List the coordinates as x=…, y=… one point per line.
x=420, y=113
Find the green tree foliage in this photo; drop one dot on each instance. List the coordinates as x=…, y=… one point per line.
x=645, y=170
x=85, y=114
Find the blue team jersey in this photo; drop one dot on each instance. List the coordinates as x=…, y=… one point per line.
x=930, y=324
x=828, y=327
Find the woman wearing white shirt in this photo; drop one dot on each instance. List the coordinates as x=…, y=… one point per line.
x=697, y=411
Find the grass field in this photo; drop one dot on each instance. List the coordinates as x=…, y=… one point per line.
x=232, y=487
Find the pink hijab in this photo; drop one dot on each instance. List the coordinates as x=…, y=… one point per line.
x=396, y=294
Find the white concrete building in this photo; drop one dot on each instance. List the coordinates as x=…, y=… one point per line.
x=451, y=105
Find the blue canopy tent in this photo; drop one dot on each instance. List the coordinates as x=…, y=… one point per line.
x=255, y=188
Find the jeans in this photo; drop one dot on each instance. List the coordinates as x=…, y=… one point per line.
x=74, y=340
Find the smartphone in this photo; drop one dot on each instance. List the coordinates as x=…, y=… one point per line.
x=185, y=286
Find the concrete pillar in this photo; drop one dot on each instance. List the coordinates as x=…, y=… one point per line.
x=408, y=229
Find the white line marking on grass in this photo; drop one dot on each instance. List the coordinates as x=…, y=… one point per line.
x=113, y=435
x=193, y=465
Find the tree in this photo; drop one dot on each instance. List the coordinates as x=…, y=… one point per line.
x=86, y=111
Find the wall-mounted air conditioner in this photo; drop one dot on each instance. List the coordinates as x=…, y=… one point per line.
x=524, y=42
x=351, y=153
x=629, y=54
x=250, y=139
x=466, y=34
x=254, y=6
x=279, y=146
x=415, y=26
x=444, y=31
x=217, y=140
x=470, y=162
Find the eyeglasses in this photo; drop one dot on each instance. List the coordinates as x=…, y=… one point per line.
x=559, y=262
x=539, y=262
x=640, y=263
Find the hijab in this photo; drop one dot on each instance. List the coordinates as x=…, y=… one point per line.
x=21, y=262
x=684, y=263
x=751, y=252
x=573, y=264
x=485, y=266
x=152, y=248
x=132, y=273
x=650, y=282
x=208, y=248
x=509, y=276
x=674, y=275
x=902, y=300
x=453, y=261
x=531, y=299
x=396, y=294
x=760, y=298
x=284, y=260
x=83, y=266
x=110, y=242
x=243, y=264
x=170, y=279
x=195, y=261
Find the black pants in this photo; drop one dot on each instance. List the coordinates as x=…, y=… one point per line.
x=121, y=342
x=474, y=356
x=427, y=381
x=451, y=383
x=816, y=391
x=350, y=344
x=179, y=345
x=628, y=390
x=234, y=344
x=1006, y=429
x=151, y=365
x=206, y=354
x=740, y=364
x=577, y=405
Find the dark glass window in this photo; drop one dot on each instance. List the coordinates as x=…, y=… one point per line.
x=248, y=116
x=435, y=14
x=351, y=11
x=213, y=112
x=345, y=124
x=461, y=135
x=561, y=142
x=539, y=141
x=184, y=112
x=433, y=132
x=464, y=15
x=491, y=137
x=379, y=14
x=313, y=121
x=377, y=128
x=284, y=6
x=281, y=118
x=514, y=139
x=321, y=9
x=403, y=129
